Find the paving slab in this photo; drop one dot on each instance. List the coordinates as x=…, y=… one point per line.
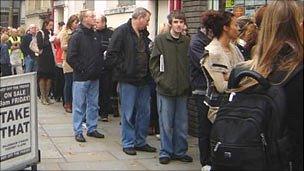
x=56, y=120
x=59, y=130
x=68, y=144
x=60, y=151
x=153, y=164
x=103, y=165
x=88, y=156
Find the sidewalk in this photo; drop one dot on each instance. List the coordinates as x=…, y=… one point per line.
x=59, y=150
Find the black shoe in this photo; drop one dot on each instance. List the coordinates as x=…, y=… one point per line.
x=95, y=134
x=164, y=160
x=80, y=138
x=184, y=158
x=146, y=148
x=129, y=151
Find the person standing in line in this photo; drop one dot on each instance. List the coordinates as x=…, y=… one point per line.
x=128, y=54
x=105, y=80
x=30, y=60
x=279, y=52
x=247, y=36
x=16, y=55
x=223, y=55
x=169, y=66
x=59, y=80
x=199, y=85
x=46, y=63
x=238, y=11
x=85, y=57
x=6, y=68
x=64, y=37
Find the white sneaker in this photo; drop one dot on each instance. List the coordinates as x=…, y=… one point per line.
x=84, y=125
x=206, y=168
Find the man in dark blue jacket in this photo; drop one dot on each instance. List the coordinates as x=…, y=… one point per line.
x=128, y=54
x=6, y=69
x=199, y=85
x=85, y=57
x=30, y=60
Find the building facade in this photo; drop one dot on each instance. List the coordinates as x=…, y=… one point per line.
x=37, y=11
x=16, y=9
x=119, y=11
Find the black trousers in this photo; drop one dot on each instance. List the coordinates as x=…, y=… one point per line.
x=59, y=84
x=154, y=112
x=200, y=126
x=105, y=94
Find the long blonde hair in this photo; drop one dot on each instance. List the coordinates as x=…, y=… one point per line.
x=280, y=25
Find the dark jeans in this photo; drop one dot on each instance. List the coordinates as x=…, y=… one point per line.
x=30, y=64
x=105, y=94
x=154, y=113
x=6, y=70
x=67, y=91
x=205, y=129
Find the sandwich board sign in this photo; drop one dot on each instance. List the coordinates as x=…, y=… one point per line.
x=18, y=122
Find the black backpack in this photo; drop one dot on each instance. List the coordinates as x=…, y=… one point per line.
x=249, y=132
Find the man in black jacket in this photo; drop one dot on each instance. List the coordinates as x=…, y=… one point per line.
x=128, y=53
x=85, y=57
x=105, y=80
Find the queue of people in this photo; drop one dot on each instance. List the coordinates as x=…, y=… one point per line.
x=175, y=72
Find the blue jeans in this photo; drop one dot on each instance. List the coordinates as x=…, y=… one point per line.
x=173, y=123
x=85, y=95
x=68, y=84
x=30, y=64
x=134, y=123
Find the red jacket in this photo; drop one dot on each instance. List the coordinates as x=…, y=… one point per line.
x=58, y=51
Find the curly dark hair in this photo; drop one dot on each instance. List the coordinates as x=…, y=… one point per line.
x=217, y=21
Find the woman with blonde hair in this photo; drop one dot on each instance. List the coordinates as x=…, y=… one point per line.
x=247, y=36
x=278, y=54
x=64, y=37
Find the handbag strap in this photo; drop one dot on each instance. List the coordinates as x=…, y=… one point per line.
x=207, y=76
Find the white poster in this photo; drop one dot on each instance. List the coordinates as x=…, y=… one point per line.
x=18, y=122
x=15, y=120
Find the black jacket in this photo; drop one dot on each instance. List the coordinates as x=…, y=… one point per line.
x=196, y=49
x=84, y=54
x=294, y=120
x=25, y=43
x=122, y=55
x=105, y=37
x=245, y=52
x=294, y=105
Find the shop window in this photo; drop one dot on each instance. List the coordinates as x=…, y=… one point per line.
x=250, y=5
x=122, y=3
x=89, y=4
